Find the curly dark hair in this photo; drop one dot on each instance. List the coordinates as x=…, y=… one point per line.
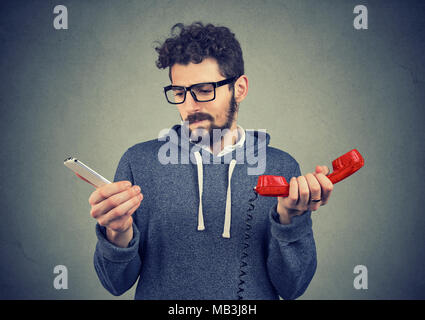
x=195, y=42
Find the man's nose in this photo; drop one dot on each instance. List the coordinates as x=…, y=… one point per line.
x=191, y=104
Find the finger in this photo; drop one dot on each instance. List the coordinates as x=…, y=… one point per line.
x=135, y=207
x=128, y=214
x=303, y=191
x=293, y=192
x=120, y=220
x=124, y=222
x=113, y=201
x=326, y=170
x=108, y=190
x=322, y=169
x=133, y=210
x=120, y=211
x=315, y=189
x=326, y=186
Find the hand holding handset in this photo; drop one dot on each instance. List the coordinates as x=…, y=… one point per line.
x=343, y=167
x=114, y=215
x=85, y=173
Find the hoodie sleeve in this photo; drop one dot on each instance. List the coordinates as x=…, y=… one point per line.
x=118, y=268
x=292, y=260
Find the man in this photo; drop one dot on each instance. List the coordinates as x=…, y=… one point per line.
x=185, y=229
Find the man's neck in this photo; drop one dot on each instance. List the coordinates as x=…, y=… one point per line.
x=230, y=138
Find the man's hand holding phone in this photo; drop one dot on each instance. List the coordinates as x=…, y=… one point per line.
x=112, y=206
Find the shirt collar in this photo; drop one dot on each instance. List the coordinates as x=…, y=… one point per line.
x=228, y=148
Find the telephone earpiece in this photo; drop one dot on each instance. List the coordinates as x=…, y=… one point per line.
x=343, y=167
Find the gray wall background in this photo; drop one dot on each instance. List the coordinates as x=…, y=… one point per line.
x=317, y=85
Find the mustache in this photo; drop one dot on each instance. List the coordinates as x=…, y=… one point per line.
x=199, y=117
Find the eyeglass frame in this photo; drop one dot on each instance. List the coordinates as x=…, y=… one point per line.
x=186, y=89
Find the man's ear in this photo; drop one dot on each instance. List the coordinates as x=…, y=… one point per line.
x=241, y=88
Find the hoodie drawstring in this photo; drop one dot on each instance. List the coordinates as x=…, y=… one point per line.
x=228, y=213
x=227, y=216
x=198, y=157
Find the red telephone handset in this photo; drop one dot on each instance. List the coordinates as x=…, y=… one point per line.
x=343, y=167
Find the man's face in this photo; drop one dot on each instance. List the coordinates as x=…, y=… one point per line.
x=204, y=117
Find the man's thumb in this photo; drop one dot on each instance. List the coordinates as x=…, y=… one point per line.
x=322, y=169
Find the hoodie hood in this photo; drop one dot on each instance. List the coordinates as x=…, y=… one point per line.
x=251, y=145
x=252, y=142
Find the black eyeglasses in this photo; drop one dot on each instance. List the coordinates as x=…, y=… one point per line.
x=201, y=92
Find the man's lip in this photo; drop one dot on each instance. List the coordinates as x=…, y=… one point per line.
x=197, y=121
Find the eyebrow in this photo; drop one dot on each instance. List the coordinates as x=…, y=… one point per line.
x=217, y=83
x=180, y=85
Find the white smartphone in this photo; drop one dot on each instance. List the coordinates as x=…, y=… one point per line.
x=86, y=172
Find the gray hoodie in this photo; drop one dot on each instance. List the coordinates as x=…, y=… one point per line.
x=199, y=233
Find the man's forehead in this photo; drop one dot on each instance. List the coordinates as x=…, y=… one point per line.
x=186, y=75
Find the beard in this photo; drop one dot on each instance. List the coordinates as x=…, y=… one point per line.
x=198, y=135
